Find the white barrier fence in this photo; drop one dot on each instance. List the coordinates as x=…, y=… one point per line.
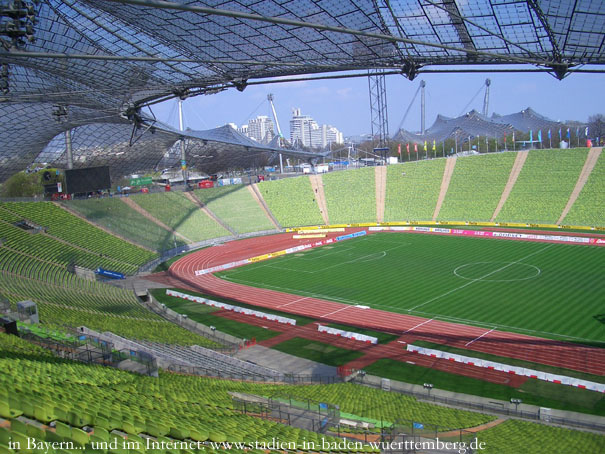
x=347, y=334
x=229, y=307
x=553, y=378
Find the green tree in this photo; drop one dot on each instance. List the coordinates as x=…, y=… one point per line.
x=23, y=185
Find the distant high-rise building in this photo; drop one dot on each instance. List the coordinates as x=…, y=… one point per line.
x=306, y=132
x=261, y=129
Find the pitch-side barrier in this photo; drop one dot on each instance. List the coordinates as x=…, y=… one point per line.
x=515, y=370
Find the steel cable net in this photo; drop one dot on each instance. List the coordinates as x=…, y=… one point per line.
x=144, y=51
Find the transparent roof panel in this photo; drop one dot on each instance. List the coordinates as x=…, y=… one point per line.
x=129, y=54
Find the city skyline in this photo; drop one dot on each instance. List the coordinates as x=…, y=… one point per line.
x=344, y=103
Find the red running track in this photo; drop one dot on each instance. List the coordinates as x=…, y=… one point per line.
x=545, y=351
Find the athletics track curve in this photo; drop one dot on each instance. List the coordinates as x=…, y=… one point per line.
x=535, y=349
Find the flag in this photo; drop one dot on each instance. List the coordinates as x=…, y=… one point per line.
x=408, y=147
x=549, y=135
x=540, y=136
x=568, y=134
x=399, y=149
x=531, y=135
x=578, y=131
x=434, y=147
x=425, y=146
x=415, y=148
x=586, y=131
x=560, y=137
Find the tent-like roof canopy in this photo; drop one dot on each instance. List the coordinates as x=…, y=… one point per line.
x=65, y=64
x=474, y=124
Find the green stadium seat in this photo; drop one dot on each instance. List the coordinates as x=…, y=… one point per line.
x=156, y=430
x=79, y=436
x=35, y=432
x=44, y=413
x=7, y=412
x=100, y=432
x=63, y=430
x=21, y=440
x=4, y=436
x=18, y=426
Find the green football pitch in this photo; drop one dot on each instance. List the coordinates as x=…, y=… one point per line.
x=548, y=290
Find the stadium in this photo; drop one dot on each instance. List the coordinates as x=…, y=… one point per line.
x=451, y=304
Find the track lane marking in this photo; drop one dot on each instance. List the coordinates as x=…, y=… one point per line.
x=295, y=301
x=337, y=310
x=419, y=324
x=477, y=338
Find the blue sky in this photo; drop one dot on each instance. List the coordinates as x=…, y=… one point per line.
x=344, y=103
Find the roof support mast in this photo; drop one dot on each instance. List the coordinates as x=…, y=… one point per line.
x=486, y=97
x=422, y=108
x=281, y=137
x=183, y=157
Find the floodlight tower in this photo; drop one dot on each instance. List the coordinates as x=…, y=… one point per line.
x=281, y=137
x=488, y=82
x=378, y=107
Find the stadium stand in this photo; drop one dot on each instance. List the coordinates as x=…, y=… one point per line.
x=180, y=214
x=115, y=216
x=350, y=196
x=412, y=190
x=235, y=206
x=291, y=201
x=588, y=208
x=544, y=186
x=64, y=225
x=35, y=266
x=513, y=437
x=42, y=246
x=476, y=186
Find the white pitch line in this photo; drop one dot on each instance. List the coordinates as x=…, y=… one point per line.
x=480, y=278
x=477, y=338
x=337, y=310
x=419, y=324
x=295, y=301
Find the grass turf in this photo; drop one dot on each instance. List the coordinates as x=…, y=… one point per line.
x=383, y=338
x=532, y=392
x=300, y=320
x=317, y=351
x=205, y=315
x=548, y=290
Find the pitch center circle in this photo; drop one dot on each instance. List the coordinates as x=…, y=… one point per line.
x=497, y=271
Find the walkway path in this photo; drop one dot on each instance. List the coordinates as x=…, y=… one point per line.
x=512, y=179
x=380, y=175
x=445, y=183
x=256, y=195
x=591, y=160
x=318, y=188
x=132, y=204
x=197, y=202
